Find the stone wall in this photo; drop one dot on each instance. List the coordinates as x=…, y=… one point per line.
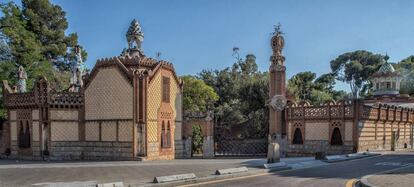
x=310, y=147
x=91, y=151
x=183, y=148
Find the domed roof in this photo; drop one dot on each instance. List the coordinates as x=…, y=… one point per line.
x=386, y=68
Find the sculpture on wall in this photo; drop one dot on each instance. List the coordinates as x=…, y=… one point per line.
x=278, y=42
x=21, y=85
x=135, y=35
x=78, y=71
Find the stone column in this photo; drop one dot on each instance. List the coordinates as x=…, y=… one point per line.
x=277, y=95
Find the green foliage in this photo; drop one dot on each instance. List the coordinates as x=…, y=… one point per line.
x=304, y=86
x=406, y=68
x=355, y=68
x=197, y=96
x=33, y=36
x=243, y=92
x=197, y=139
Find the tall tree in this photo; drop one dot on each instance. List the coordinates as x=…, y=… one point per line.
x=355, y=68
x=33, y=36
x=304, y=86
x=243, y=92
x=48, y=23
x=197, y=96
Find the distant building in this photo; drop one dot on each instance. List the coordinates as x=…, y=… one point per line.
x=127, y=108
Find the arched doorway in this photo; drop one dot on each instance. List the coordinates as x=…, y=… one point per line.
x=297, y=136
x=336, y=138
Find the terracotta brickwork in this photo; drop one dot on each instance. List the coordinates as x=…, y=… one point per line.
x=369, y=128
x=108, y=96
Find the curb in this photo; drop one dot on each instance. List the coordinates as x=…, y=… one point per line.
x=217, y=177
x=242, y=174
x=364, y=181
x=351, y=158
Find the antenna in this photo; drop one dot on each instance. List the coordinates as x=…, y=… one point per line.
x=158, y=55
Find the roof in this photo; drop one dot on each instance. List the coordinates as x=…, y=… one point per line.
x=127, y=65
x=386, y=68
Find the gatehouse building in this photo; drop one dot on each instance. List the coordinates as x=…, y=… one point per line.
x=127, y=108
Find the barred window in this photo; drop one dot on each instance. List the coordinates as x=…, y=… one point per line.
x=165, y=89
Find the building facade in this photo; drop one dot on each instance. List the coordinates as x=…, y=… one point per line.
x=127, y=108
x=383, y=121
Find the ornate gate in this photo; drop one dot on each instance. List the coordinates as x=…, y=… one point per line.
x=240, y=140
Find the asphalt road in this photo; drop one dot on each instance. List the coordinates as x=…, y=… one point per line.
x=336, y=174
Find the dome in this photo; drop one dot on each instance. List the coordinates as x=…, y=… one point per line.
x=386, y=68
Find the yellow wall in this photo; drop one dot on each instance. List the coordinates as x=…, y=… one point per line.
x=109, y=96
x=317, y=131
x=92, y=131
x=64, y=131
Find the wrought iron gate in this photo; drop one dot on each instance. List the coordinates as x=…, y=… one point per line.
x=235, y=142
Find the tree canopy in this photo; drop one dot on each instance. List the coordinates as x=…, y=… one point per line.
x=197, y=95
x=304, y=86
x=242, y=91
x=355, y=68
x=406, y=68
x=33, y=36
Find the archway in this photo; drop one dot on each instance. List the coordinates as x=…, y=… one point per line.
x=336, y=138
x=297, y=136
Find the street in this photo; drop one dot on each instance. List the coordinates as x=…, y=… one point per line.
x=336, y=174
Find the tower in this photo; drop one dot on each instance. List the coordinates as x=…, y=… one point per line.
x=277, y=91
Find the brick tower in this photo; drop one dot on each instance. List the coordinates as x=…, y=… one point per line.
x=277, y=90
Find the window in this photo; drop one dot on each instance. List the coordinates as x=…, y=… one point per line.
x=297, y=137
x=377, y=86
x=168, y=134
x=165, y=135
x=163, y=143
x=24, y=135
x=336, y=138
x=165, y=89
x=388, y=85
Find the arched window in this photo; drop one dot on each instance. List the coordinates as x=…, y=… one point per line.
x=297, y=136
x=163, y=143
x=21, y=135
x=168, y=134
x=336, y=138
x=27, y=134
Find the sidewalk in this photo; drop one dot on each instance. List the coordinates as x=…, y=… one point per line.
x=398, y=177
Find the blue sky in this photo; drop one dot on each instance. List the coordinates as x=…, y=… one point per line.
x=200, y=34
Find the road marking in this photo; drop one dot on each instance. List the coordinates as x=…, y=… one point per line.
x=350, y=183
x=264, y=174
x=223, y=180
x=392, y=164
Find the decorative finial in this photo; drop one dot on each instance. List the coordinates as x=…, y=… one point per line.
x=386, y=57
x=21, y=85
x=278, y=42
x=135, y=34
x=278, y=30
